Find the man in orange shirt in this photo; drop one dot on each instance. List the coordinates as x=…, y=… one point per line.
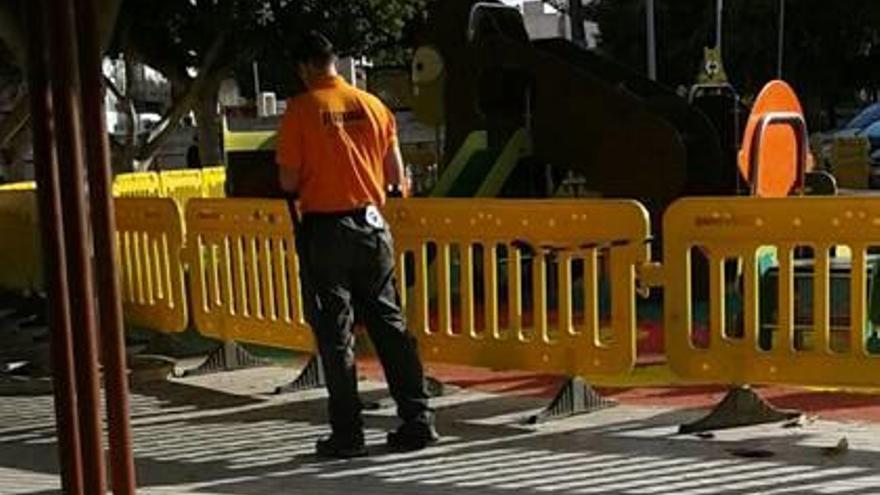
x=337, y=152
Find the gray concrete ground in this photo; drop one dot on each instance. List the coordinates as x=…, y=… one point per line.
x=223, y=434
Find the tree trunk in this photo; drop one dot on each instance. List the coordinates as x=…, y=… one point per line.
x=208, y=118
x=131, y=113
x=123, y=154
x=170, y=122
x=188, y=99
x=576, y=15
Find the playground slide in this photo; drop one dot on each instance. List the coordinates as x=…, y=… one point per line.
x=476, y=170
x=692, y=128
x=625, y=135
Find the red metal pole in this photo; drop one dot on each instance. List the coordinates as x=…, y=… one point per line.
x=104, y=228
x=79, y=270
x=49, y=196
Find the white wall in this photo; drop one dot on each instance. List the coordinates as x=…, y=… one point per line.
x=544, y=22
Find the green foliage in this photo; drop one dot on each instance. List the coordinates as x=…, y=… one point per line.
x=369, y=28
x=198, y=43
x=174, y=35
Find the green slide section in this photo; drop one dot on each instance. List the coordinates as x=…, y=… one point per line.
x=476, y=144
x=470, y=179
x=477, y=171
x=516, y=148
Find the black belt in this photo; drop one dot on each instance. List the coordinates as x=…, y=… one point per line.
x=334, y=215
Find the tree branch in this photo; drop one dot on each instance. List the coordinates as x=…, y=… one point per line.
x=185, y=102
x=126, y=150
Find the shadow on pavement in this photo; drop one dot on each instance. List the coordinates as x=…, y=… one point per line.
x=194, y=440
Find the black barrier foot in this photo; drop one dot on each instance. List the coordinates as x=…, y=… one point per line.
x=311, y=377
x=228, y=357
x=742, y=406
x=575, y=397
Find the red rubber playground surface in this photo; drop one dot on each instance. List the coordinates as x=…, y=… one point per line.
x=652, y=385
x=826, y=404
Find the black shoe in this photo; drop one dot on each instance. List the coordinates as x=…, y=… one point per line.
x=412, y=436
x=337, y=448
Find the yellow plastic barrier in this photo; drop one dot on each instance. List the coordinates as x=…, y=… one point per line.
x=244, y=273
x=137, y=185
x=19, y=186
x=21, y=264
x=249, y=140
x=851, y=162
x=733, y=232
x=149, y=236
x=180, y=185
x=498, y=246
x=214, y=182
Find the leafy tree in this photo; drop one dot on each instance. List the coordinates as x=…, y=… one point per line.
x=385, y=32
x=196, y=44
x=200, y=43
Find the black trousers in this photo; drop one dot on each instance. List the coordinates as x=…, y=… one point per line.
x=350, y=267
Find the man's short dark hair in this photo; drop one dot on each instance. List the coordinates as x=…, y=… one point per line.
x=313, y=48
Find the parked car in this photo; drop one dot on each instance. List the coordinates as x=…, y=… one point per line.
x=865, y=125
x=868, y=116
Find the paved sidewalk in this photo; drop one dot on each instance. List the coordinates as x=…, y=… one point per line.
x=222, y=434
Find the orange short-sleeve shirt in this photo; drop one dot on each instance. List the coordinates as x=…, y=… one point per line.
x=336, y=137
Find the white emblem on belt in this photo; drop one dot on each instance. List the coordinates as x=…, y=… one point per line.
x=374, y=218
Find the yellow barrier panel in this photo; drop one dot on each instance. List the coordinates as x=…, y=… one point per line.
x=19, y=186
x=851, y=162
x=732, y=233
x=137, y=185
x=244, y=273
x=214, y=182
x=249, y=140
x=21, y=264
x=481, y=250
x=181, y=185
x=245, y=283
x=149, y=236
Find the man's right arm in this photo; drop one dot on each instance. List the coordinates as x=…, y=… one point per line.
x=395, y=173
x=395, y=176
x=288, y=152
